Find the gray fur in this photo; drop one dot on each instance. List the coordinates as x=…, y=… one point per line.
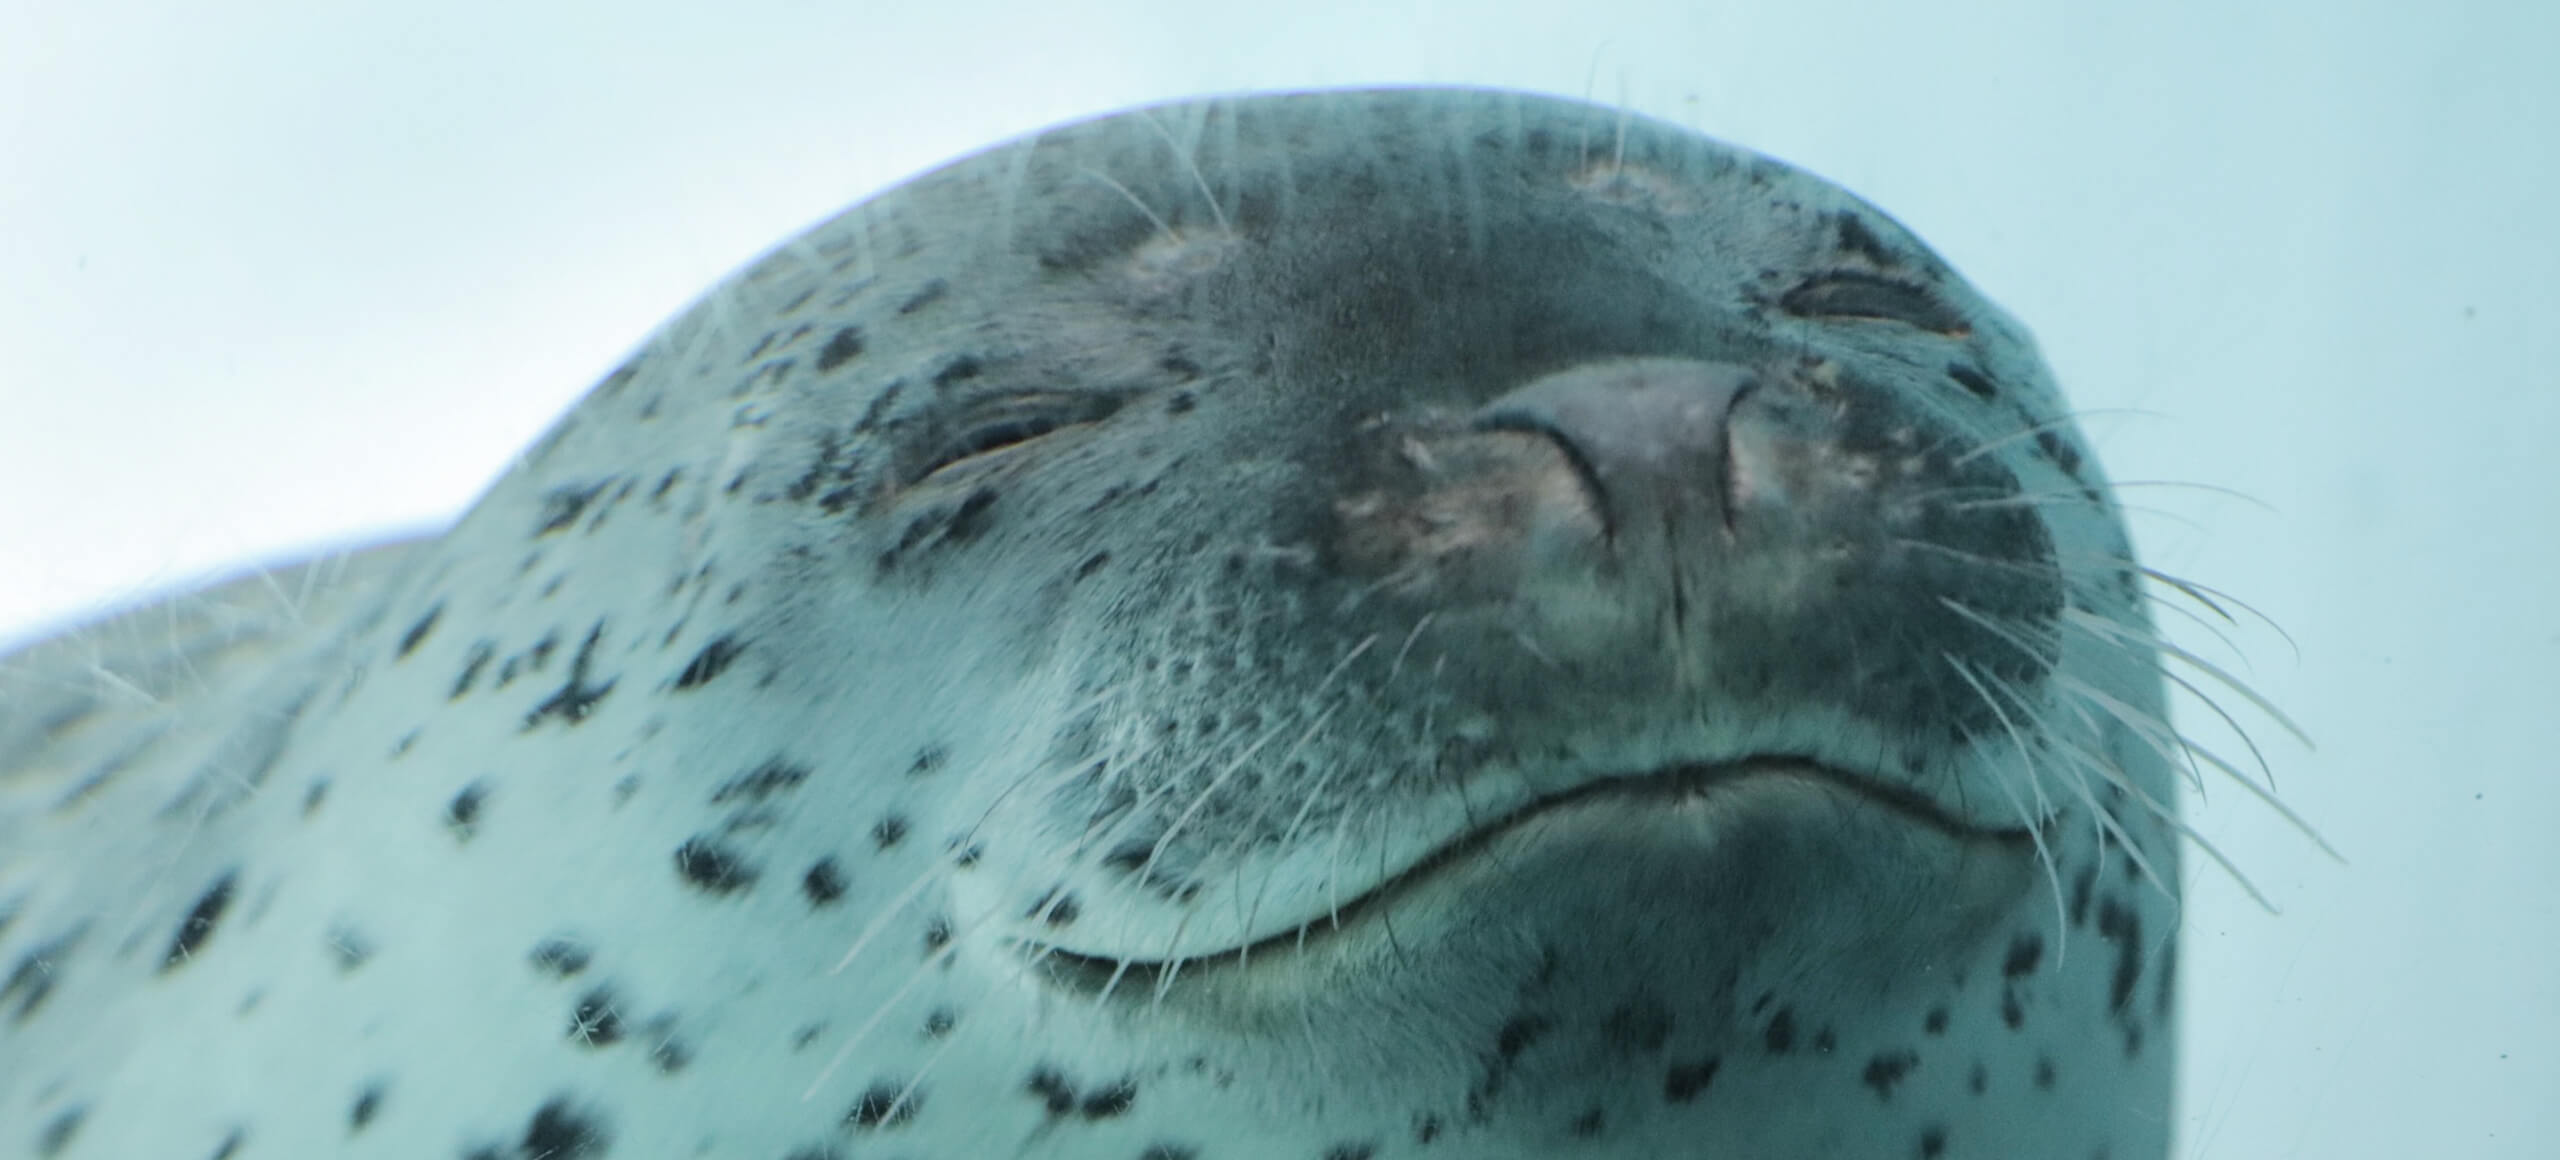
x=871, y=721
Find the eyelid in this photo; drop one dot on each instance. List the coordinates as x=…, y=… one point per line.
x=1002, y=423
x=1854, y=294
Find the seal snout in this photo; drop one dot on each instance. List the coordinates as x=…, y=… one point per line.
x=1779, y=533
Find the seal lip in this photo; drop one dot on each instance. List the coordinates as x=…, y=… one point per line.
x=1677, y=781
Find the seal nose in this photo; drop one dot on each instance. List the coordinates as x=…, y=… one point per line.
x=1645, y=435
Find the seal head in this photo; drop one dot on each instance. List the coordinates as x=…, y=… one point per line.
x=1345, y=625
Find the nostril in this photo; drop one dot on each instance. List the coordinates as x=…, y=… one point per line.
x=1527, y=423
x=1732, y=475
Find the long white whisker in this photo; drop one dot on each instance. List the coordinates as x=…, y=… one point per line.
x=2035, y=823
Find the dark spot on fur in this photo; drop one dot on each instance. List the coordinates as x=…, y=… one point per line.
x=930, y=293
x=576, y=699
x=1780, y=1038
x=1937, y=1021
x=713, y=660
x=230, y=1145
x=877, y=412
x=1168, y=1152
x=971, y=517
x=889, y=831
x=760, y=783
x=350, y=947
x=1111, y=1101
x=1518, y=1034
x=560, y=1132
x=1355, y=1150
x=561, y=505
x=462, y=814
x=1980, y=1079
x=31, y=981
x=886, y=1104
x=2044, y=1073
x=58, y=1132
x=951, y=523
x=842, y=347
x=1973, y=380
x=2121, y=925
x=197, y=928
x=479, y=659
x=1426, y=1129
x=939, y=1022
x=958, y=370
x=597, y=1019
x=712, y=867
x=1886, y=1070
x=1857, y=239
x=314, y=796
x=1092, y=564
x=2013, y=1011
x=824, y=883
x=1684, y=1081
x=560, y=957
x=1052, y=1089
x=670, y=1055
x=937, y=935
x=1181, y=403
x=1132, y=856
x=2060, y=451
x=2025, y=952
x=1933, y=1141
x=417, y=634
x=368, y=1102
x=927, y=761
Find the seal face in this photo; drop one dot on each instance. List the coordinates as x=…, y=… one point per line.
x=1348, y=625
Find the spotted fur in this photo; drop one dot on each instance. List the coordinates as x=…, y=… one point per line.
x=1167, y=640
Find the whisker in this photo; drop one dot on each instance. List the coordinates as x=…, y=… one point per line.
x=2168, y=740
x=2215, y=599
x=2035, y=828
x=2102, y=627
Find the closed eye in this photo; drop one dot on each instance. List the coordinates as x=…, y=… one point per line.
x=1011, y=425
x=987, y=437
x=1851, y=294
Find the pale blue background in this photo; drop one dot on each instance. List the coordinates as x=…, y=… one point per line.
x=272, y=274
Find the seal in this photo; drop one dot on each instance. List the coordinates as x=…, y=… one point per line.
x=1324, y=626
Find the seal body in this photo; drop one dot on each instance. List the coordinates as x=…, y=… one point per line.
x=1345, y=625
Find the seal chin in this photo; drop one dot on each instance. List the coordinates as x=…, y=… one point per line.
x=1685, y=840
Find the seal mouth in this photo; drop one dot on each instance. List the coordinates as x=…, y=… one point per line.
x=1666, y=787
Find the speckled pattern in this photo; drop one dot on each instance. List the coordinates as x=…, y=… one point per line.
x=1400, y=624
